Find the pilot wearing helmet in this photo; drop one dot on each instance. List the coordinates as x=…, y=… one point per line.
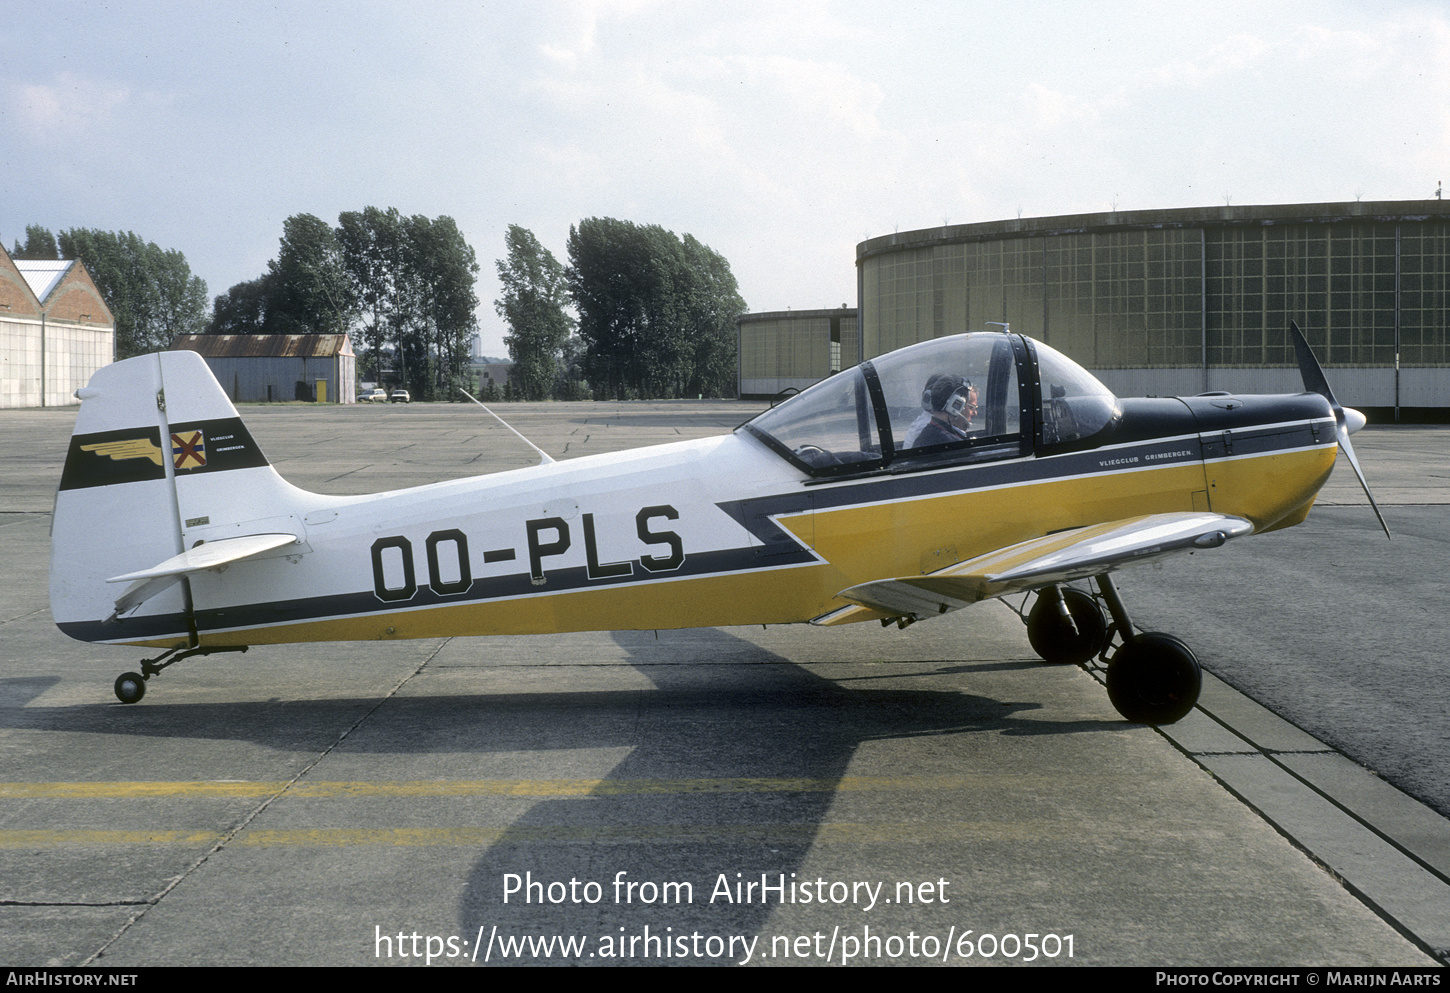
x=948, y=405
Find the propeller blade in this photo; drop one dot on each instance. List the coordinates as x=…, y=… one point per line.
x=1315, y=382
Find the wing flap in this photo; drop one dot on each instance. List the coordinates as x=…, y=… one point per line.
x=851, y=615
x=1037, y=562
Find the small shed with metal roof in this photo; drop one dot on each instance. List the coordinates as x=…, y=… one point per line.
x=252, y=368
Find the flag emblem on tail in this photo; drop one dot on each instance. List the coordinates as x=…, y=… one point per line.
x=188, y=450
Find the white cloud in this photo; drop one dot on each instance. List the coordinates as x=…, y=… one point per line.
x=1052, y=108
x=55, y=113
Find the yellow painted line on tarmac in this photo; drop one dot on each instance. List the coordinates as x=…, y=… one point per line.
x=476, y=836
x=515, y=787
x=473, y=837
x=20, y=838
x=92, y=791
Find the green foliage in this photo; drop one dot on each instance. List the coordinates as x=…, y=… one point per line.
x=310, y=292
x=712, y=310
x=656, y=312
x=372, y=254
x=306, y=289
x=405, y=284
x=151, y=291
x=436, y=322
x=570, y=382
x=534, y=295
x=39, y=245
x=243, y=308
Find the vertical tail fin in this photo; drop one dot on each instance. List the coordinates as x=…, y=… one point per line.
x=159, y=462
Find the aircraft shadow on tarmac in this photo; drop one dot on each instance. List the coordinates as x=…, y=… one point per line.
x=757, y=708
x=768, y=720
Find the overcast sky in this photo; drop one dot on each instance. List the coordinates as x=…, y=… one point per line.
x=780, y=133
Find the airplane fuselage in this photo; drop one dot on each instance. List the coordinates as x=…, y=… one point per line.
x=739, y=529
x=718, y=531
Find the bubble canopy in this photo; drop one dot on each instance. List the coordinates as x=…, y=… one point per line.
x=964, y=398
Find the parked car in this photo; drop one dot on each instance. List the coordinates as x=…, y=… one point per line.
x=373, y=396
x=400, y=396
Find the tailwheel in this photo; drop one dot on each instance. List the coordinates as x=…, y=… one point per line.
x=1154, y=679
x=1065, y=626
x=130, y=687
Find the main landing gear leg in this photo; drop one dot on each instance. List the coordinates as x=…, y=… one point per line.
x=131, y=686
x=1153, y=678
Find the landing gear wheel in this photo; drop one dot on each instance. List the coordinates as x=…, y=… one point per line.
x=130, y=687
x=1054, y=640
x=1154, y=679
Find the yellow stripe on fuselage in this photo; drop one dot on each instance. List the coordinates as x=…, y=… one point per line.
x=917, y=536
x=1274, y=490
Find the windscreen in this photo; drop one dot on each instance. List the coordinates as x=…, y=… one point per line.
x=1074, y=404
x=832, y=424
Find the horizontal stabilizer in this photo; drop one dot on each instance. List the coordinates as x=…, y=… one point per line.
x=146, y=583
x=210, y=556
x=1038, y=562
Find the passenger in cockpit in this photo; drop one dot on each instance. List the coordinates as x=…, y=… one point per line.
x=948, y=405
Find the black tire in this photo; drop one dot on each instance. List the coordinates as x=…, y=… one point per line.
x=1154, y=679
x=1054, y=640
x=130, y=687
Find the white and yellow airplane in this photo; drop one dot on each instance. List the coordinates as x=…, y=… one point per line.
x=948, y=472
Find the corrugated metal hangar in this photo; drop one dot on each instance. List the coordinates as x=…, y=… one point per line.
x=55, y=331
x=1191, y=300
x=1165, y=302
x=273, y=367
x=791, y=349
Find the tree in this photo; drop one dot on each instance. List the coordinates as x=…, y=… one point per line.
x=150, y=290
x=436, y=319
x=610, y=270
x=713, y=308
x=305, y=290
x=453, y=271
x=534, y=295
x=655, y=311
x=310, y=292
x=372, y=255
x=570, y=383
x=243, y=308
x=407, y=280
x=39, y=245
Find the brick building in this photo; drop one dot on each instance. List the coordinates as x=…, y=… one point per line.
x=55, y=331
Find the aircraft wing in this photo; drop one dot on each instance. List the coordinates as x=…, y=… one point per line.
x=1055, y=558
x=146, y=583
